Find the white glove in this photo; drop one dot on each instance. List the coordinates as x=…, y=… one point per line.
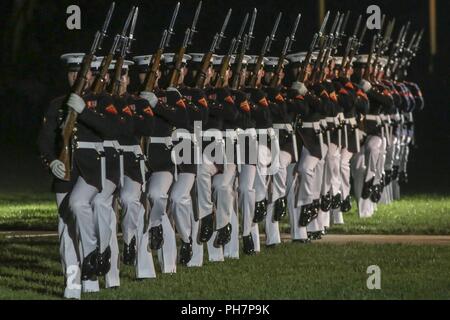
x=150, y=97
x=300, y=87
x=365, y=85
x=76, y=103
x=271, y=133
x=173, y=89
x=58, y=169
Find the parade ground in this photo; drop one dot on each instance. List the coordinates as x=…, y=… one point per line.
x=408, y=240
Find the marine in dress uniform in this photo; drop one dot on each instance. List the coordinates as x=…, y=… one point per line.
x=170, y=113
x=367, y=175
x=50, y=144
x=287, y=147
x=136, y=117
x=354, y=103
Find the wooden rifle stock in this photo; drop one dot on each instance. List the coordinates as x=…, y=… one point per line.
x=223, y=70
x=115, y=83
x=152, y=74
x=100, y=80
x=177, y=69
x=78, y=88
x=201, y=76
x=258, y=67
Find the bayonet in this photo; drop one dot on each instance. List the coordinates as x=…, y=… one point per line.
x=132, y=28
x=241, y=33
x=344, y=24
x=194, y=23
x=170, y=31
x=273, y=33
x=294, y=32
x=324, y=24
x=106, y=25
x=221, y=35
x=251, y=28
x=162, y=43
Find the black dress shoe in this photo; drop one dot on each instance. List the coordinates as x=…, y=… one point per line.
x=302, y=241
x=249, y=246
x=403, y=178
x=395, y=170
x=387, y=177
x=315, y=209
x=89, y=267
x=382, y=182
x=346, y=205
x=375, y=196
x=185, y=252
x=260, y=211
x=315, y=235
x=129, y=252
x=325, y=202
x=336, y=201
x=367, y=189
x=280, y=209
x=206, y=228
x=305, y=215
x=223, y=236
x=156, y=238
x=104, y=262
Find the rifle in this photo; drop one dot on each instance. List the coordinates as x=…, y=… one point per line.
x=235, y=42
x=240, y=57
x=265, y=49
x=152, y=74
x=383, y=45
x=334, y=41
x=323, y=46
x=78, y=88
x=372, y=49
x=350, y=43
x=225, y=64
x=178, y=59
x=317, y=38
x=357, y=43
x=410, y=51
x=206, y=61
x=395, y=50
x=126, y=42
x=288, y=42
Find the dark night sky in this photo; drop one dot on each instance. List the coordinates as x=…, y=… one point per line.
x=34, y=74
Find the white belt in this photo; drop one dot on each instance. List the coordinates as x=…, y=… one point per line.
x=111, y=144
x=408, y=116
x=163, y=140
x=249, y=132
x=283, y=126
x=231, y=134
x=261, y=131
x=351, y=121
x=97, y=146
x=372, y=117
x=311, y=125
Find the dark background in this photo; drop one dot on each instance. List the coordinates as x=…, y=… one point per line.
x=33, y=35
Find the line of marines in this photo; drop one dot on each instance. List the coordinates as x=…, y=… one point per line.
x=297, y=149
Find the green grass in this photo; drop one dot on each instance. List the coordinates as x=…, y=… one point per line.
x=30, y=269
x=27, y=212
x=418, y=214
